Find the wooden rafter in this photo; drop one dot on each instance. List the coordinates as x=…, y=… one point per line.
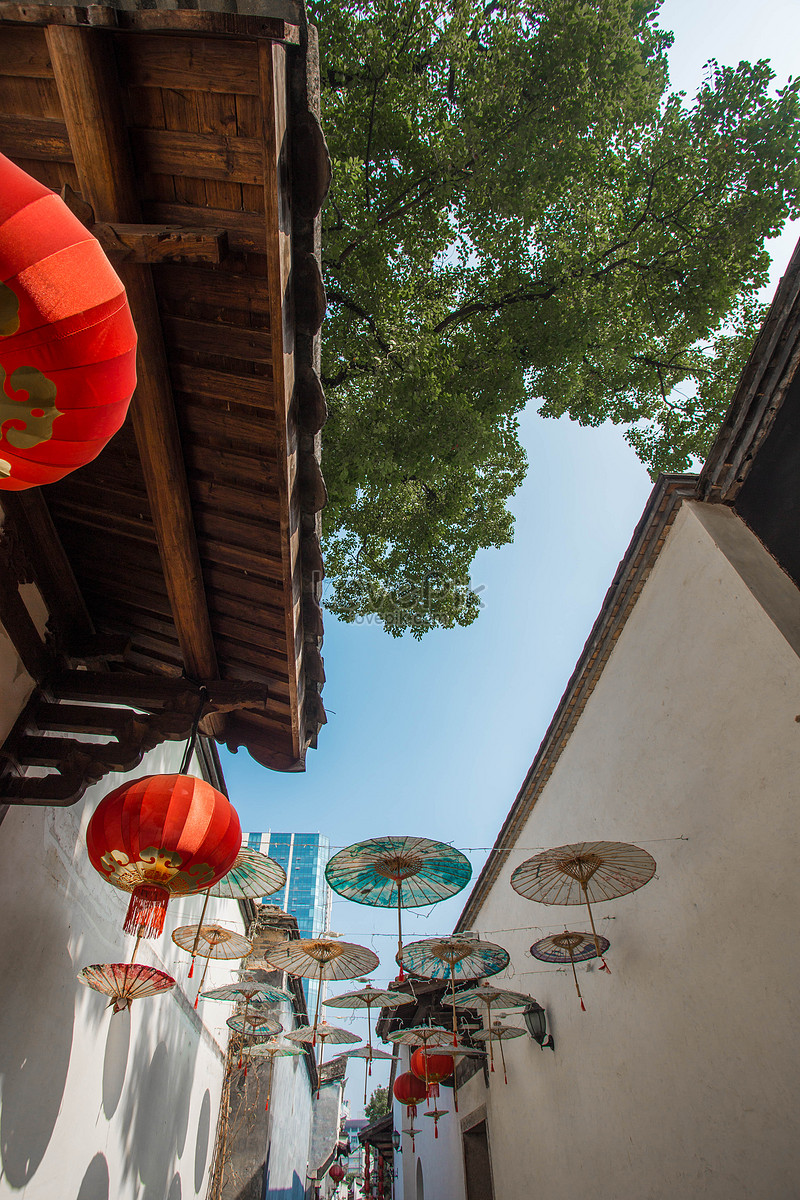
x=82, y=65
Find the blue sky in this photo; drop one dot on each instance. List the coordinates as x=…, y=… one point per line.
x=433, y=738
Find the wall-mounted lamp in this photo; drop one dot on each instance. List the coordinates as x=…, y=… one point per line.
x=396, y=1140
x=536, y=1025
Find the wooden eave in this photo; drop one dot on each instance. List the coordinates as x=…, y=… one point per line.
x=189, y=142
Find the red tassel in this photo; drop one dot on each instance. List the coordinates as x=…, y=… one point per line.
x=197, y=1000
x=191, y=970
x=492, y=1067
x=436, y=1129
x=266, y=1107
x=146, y=910
x=505, y=1078
x=605, y=966
x=583, y=1006
x=245, y=1070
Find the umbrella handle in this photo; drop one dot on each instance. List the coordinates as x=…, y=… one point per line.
x=401, y=977
x=202, y=981
x=197, y=935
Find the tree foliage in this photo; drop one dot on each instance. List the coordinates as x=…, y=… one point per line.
x=522, y=211
x=377, y=1105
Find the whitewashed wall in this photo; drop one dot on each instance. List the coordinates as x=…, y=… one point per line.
x=682, y=1078
x=95, y=1106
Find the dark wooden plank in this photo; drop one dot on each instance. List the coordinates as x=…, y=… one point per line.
x=216, y=114
x=245, y=229
x=160, y=243
x=216, y=289
x=223, y=430
x=189, y=21
x=255, y=390
x=237, y=469
x=264, y=538
x=35, y=138
x=264, y=565
x=25, y=53
x=81, y=718
x=198, y=155
x=249, y=503
x=84, y=69
x=29, y=97
x=189, y=63
x=211, y=337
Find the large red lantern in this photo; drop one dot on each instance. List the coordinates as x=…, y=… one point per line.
x=160, y=836
x=337, y=1173
x=432, y=1068
x=67, y=341
x=411, y=1091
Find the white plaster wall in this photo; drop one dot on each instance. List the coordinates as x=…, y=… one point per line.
x=95, y=1106
x=442, y=1164
x=682, y=1078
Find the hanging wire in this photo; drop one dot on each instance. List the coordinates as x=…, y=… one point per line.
x=190, y=745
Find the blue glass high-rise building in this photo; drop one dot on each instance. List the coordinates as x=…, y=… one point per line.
x=306, y=894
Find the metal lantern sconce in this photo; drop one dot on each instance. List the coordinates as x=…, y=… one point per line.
x=396, y=1140
x=536, y=1025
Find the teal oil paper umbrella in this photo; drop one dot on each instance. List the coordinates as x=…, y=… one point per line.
x=369, y=1054
x=322, y=1033
x=499, y=1032
x=369, y=997
x=456, y=958
x=488, y=997
x=251, y=991
x=211, y=941
x=254, y=1023
x=398, y=872
x=573, y=948
x=252, y=874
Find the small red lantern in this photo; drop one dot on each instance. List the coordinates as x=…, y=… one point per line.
x=432, y=1068
x=411, y=1091
x=159, y=836
x=67, y=341
x=337, y=1173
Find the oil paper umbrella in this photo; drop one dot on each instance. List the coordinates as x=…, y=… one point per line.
x=584, y=873
x=254, y=1023
x=454, y=958
x=125, y=982
x=572, y=948
x=251, y=991
x=322, y=958
x=433, y=1037
x=368, y=1053
x=501, y=1033
x=273, y=1050
x=252, y=874
x=398, y=872
x=488, y=997
x=211, y=941
x=322, y=1032
x=369, y=997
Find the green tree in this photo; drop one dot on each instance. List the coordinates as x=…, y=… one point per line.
x=377, y=1105
x=522, y=211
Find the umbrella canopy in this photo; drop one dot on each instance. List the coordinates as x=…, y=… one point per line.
x=125, y=982
x=368, y=1053
x=320, y=958
x=431, y=1037
x=499, y=1033
x=210, y=941
x=249, y=990
x=584, y=872
x=324, y=1033
x=252, y=874
x=273, y=1050
x=491, y=998
x=254, y=1023
x=571, y=947
x=369, y=997
x=454, y=958
x=398, y=872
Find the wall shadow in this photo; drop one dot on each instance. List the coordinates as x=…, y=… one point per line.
x=201, y=1144
x=95, y=1183
x=115, y=1062
x=37, y=999
x=175, y=1191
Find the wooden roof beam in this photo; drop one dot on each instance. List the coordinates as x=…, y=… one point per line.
x=84, y=69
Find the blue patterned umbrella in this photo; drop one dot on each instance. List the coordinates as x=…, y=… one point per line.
x=398, y=872
x=454, y=958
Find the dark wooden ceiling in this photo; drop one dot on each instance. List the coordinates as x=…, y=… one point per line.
x=195, y=533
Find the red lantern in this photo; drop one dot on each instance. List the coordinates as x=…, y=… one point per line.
x=409, y=1090
x=337, y=1173
x=432, y=1068
x=159, y=836
x=67, y=341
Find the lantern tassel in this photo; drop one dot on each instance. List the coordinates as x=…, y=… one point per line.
x=146, y=910
x=436, y=1129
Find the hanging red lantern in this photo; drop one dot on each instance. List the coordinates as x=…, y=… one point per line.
x=67, y=341
x=337, y=1173
x=411, y=1091
x=432, y=1068
x=159, y=836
